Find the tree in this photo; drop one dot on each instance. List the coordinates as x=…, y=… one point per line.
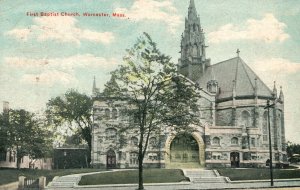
x=292, y=148
x=157, y=96
x=27, y=135
x=73, y=109
x=3, y=133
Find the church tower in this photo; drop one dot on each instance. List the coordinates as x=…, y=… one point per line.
x=192, y=62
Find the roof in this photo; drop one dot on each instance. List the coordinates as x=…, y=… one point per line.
x=235, y=72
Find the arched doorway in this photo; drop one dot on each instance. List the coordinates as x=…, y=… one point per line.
x=111, y=159
x=235, y=159
x=184, y=149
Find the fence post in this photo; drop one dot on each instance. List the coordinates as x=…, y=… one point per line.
x=42, y=182
x=21, y=182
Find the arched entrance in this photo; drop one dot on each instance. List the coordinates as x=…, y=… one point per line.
x=184, y=149
x=170, y=153
x=111, y=159
x=235, y=159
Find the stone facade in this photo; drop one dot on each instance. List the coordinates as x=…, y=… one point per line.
x=234, y=122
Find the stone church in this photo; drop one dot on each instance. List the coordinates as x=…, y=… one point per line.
x=234, y=130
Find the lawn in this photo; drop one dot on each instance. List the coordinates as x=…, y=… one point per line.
x=11, y=175
x=258, y=173
x=131, y=176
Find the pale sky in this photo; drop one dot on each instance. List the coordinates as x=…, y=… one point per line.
x=42, y=57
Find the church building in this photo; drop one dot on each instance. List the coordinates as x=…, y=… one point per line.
x=234, y=119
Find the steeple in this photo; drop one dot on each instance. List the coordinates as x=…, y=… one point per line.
x=281, y=97
x=192, y=62
x=275, y=90
x=192, y=10
x=95, y=90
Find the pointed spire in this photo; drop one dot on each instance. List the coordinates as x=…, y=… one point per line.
x=281, y=97
x=192, y=4
x=192, y=9
x=193, y=56
x=95, y=90
x=275, y=90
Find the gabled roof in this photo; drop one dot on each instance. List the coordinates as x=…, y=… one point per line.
x=234, y=72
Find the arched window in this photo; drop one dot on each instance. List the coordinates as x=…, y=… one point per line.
x=111, y=134
x=265, y=126
x=133, y=158
x=114, y=114
x=107, y=113
x=134, y=141
x=152, y=141
x=216, y=141
x=246, y=119
x=234, y=141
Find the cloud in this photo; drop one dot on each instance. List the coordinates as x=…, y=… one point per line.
x=21, y=34
x=50, y=71
x=153, y=10
x=277, y=66
x=60, y=29
x=275, y=69
x=49, y=78
x=268, y=29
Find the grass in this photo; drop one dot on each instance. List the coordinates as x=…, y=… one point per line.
x=12, y=175
x=258, y=173
x=131, y=176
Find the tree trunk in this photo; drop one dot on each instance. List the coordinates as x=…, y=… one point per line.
x=18, y=156
x=141, y=179
x=18, y=162
x=140, y=158
x=87, y=136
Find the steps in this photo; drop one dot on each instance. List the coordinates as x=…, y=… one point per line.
x=203, y=176
x=64, y=182
x=191, y=165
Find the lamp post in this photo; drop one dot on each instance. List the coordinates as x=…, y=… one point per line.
x=270, y=141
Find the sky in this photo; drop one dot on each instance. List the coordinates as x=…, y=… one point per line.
x=43, y=56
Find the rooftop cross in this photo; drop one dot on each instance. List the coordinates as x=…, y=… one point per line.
x=238, y=52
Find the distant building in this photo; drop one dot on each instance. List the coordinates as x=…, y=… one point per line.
x=8, y=157
x=70, y=157
x=234, y=127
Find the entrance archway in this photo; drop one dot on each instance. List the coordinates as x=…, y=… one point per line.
x=184, y=148
x=168, y=153
x=235, y=159
x=111, y=159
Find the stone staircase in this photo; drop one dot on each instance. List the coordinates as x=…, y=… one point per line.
x=203, y=176
x=64, y=182
x=191, y=165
